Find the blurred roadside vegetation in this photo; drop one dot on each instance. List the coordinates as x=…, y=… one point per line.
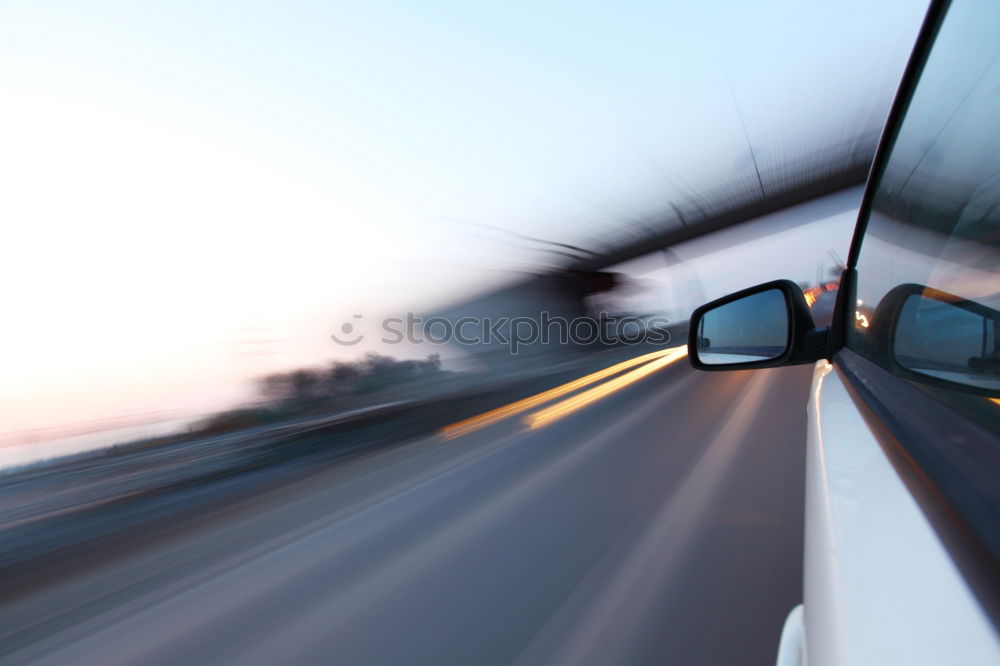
x=341, y=386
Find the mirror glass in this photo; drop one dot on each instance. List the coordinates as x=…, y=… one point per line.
x=958, y=341
x=751, y=329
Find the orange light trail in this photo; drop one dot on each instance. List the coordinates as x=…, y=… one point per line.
x=566, y=407
x=487, y=418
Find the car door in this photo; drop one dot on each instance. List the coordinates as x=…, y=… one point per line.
x=902, y=547
x=903, y=530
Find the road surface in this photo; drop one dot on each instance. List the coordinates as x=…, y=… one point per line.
x=661, y=524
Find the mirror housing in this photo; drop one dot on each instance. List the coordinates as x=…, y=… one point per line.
x=939, y=338
x=803, y=342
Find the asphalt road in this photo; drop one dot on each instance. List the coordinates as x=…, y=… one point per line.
x=659, y=525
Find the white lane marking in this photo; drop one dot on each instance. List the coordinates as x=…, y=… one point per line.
x=610, y=611
x=358, y=598
x=192, y=612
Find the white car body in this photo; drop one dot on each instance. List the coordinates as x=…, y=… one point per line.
x=879, y=587
x=902, y=511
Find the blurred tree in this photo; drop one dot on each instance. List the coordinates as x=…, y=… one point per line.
x=374, y=372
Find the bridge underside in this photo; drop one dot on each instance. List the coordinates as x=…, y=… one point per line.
x=743, y=195
x=744, y=198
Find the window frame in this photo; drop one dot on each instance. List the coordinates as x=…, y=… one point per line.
x=954, y=485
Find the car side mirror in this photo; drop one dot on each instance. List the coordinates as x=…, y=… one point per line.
x=761, y=327
x=940, y=338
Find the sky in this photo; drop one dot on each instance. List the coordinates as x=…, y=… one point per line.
x=195, y=194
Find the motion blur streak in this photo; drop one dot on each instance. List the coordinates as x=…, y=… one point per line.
x=514, y=408
x=560, y=409
x=668, y=514
x=625, y=598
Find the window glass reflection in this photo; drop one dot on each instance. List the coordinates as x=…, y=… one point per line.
x=935, y=219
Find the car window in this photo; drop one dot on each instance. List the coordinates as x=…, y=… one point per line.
x=928, y=288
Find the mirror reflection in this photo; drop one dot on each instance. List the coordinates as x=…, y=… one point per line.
x=958, y=341
x=754, y=328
